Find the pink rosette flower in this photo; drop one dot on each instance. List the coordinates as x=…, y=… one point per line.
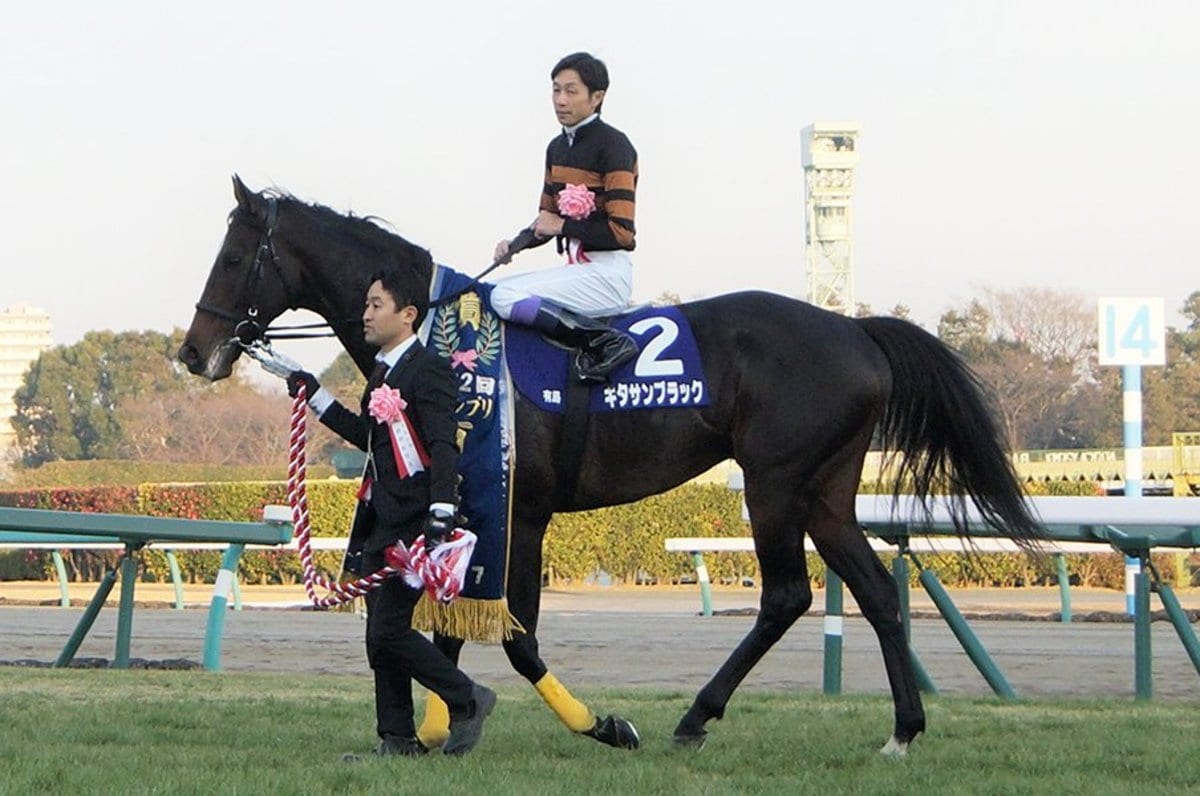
x=386, y=405
x=576, y=202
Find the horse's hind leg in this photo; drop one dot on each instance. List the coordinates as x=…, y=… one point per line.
x=786, y=596
x=845, y=550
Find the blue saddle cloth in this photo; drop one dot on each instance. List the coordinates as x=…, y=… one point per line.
x=667, y=373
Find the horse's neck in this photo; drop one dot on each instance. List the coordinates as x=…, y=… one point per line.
x=332, y=273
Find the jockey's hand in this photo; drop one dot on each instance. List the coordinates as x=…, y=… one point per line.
x=547, y=224
x=502, y=255
x=437, y=528
x=298, y=377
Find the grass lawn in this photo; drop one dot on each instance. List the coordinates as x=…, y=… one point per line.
x=129, y=732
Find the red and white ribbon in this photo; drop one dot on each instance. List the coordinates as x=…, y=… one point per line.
x=407, y=449
x=441, y=573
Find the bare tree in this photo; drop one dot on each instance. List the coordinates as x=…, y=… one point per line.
x=232, y=426
x=1052, y=323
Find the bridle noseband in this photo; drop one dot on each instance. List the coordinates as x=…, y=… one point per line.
x=247, y=329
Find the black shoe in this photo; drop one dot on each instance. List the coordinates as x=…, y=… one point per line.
x=466, y=730
x=391, y=746
x=605, y=353
x=602, y=349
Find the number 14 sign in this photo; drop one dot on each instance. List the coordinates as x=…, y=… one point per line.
x=1132, y=331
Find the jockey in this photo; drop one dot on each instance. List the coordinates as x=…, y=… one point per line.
x=587, y=205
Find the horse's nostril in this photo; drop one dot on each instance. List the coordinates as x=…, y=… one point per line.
x=188, y=354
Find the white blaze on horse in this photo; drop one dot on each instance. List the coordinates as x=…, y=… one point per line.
x=795, y=395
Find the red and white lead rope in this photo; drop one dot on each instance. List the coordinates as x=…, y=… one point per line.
x=441, y=578
x=298, y=499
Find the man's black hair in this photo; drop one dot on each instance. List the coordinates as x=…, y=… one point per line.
x=403, y=291
x=591, y=71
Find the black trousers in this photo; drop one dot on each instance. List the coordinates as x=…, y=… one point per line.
x=398, y=655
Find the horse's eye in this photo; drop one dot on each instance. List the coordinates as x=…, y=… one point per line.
x=232, y=260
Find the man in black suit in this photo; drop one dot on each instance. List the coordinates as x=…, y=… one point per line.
x=412, y=490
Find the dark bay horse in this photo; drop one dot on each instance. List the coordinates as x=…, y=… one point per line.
x=797, y=394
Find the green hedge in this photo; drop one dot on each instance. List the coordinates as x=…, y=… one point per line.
x=627, y=542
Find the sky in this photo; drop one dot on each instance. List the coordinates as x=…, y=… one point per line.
x=1005, y=144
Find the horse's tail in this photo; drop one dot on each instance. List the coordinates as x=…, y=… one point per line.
x=940, y=430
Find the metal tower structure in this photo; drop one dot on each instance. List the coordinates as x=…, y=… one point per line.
x=829, y=153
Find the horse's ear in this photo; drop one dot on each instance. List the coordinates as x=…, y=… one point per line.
x=242, y=193
x=249, y=201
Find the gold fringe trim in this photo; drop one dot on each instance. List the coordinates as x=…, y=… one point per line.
x=467, y=618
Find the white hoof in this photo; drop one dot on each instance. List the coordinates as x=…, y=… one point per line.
x=894, y=748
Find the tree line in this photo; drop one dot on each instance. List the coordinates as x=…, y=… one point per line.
x=123, y=395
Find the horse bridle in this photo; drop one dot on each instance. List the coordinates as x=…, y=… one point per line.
x=247, y=328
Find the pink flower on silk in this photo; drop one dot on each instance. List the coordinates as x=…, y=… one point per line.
x=576, y=202
x=386, y=405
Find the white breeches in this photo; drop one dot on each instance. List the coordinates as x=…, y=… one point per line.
x=603, y=286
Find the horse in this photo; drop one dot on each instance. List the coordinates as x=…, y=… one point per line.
x=797, y=394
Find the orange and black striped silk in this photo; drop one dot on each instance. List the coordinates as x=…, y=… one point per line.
x=604, y=160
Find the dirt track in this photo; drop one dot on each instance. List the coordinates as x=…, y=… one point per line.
x=652, y=638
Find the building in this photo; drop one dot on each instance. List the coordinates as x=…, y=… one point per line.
x=829, y=154
x=24, y=334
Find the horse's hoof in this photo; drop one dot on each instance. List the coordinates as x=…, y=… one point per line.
x=693, y=742
x=615, y=731
x=894, y=748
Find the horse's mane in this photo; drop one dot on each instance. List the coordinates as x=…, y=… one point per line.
x=348, y=226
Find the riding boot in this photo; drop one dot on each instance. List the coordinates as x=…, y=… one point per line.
x=601, y=348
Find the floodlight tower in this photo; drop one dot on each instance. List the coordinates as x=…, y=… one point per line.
x=829, y=153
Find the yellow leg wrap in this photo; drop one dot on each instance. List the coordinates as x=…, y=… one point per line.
x=570, y=711
x=435, y=726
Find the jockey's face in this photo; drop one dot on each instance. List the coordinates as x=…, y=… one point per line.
x=383, y=324
x=572, y=101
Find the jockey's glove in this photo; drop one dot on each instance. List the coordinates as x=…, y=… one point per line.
x=437, y=528
x=298, y=377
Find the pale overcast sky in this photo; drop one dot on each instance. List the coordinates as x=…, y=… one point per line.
x=1005, y=144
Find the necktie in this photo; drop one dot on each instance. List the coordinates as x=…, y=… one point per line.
x=377, y=375
x=373, y=381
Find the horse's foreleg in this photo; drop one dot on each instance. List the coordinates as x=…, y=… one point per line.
x=786, y=596
x=435, y=724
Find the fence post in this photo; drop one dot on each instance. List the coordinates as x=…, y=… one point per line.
x=61, y=570
x=226, y=576
x=125, y=610
x=87, y=620
x=966, y=637
x=1064, y=586
x=832, y=680
x=702, y=578
x=1142, y=675
x=176, y=578
x=900, y=575
x=1179, y=619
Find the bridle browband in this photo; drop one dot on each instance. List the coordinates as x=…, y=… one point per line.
x=247, y=328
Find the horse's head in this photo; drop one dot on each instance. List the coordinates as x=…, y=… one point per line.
x=246, y=289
